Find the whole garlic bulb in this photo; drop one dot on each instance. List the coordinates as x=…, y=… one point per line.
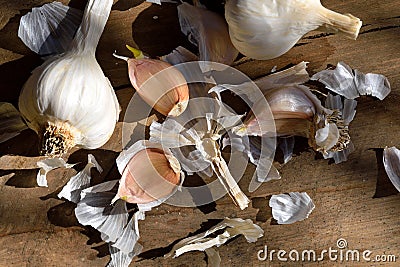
x=263, y=29
x=68, y=101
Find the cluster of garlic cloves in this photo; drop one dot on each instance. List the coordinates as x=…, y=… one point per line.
x=167, y=93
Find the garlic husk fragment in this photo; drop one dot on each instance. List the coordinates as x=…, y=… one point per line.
x=68, y=101
x=159, y=84
x=111, y=220
x=49, y=29
x=295, y=75
x=204, y=136
x=292, y=207
x=353, y=83
x=11, y=123
x=267, y=29
x=209, y=32
x=47, y=165
x=391, y=162
x=233, y=227
x=104, y=210
x=72, y=190
x=179, y=55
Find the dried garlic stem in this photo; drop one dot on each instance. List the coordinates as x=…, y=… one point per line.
x=221, y=169
x=347, y=24
x=56, y=138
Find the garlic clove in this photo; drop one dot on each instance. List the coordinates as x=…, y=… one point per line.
x=391, y=162
x=159, y=84
x=267, y=29
x=49, y=29
x=150, y=175
x=209, y=32
x=292, y=207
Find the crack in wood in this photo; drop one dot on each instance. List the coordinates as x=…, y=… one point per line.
x=380, y=29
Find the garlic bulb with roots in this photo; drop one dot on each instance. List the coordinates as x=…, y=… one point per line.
x=168, y=93
x=68, y=101
x=263, y=29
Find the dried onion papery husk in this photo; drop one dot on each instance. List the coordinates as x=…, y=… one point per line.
x=168, y=94
x=267, y=29
x=292, y=207
x=353, y=83
x=72, y=190
x=391, y=162
x=68, y=101
x=204, y=136
x=103, y=209
x=209, y=32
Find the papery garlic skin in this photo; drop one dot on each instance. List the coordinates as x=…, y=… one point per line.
x=167, y=93
x=150, y=175
x=263, y=29
x=209, y=32
x=68, y=101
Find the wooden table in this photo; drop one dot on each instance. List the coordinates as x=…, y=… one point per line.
x=353, y=200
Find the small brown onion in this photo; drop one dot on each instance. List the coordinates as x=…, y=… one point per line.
x=150, y=175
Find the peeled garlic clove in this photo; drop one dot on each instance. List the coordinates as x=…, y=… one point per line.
x=391, y=162
x=209, y=32
x=150, y=175
x=68, y=101
x=267, y=29
x=159, y=84
x=292, y=207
